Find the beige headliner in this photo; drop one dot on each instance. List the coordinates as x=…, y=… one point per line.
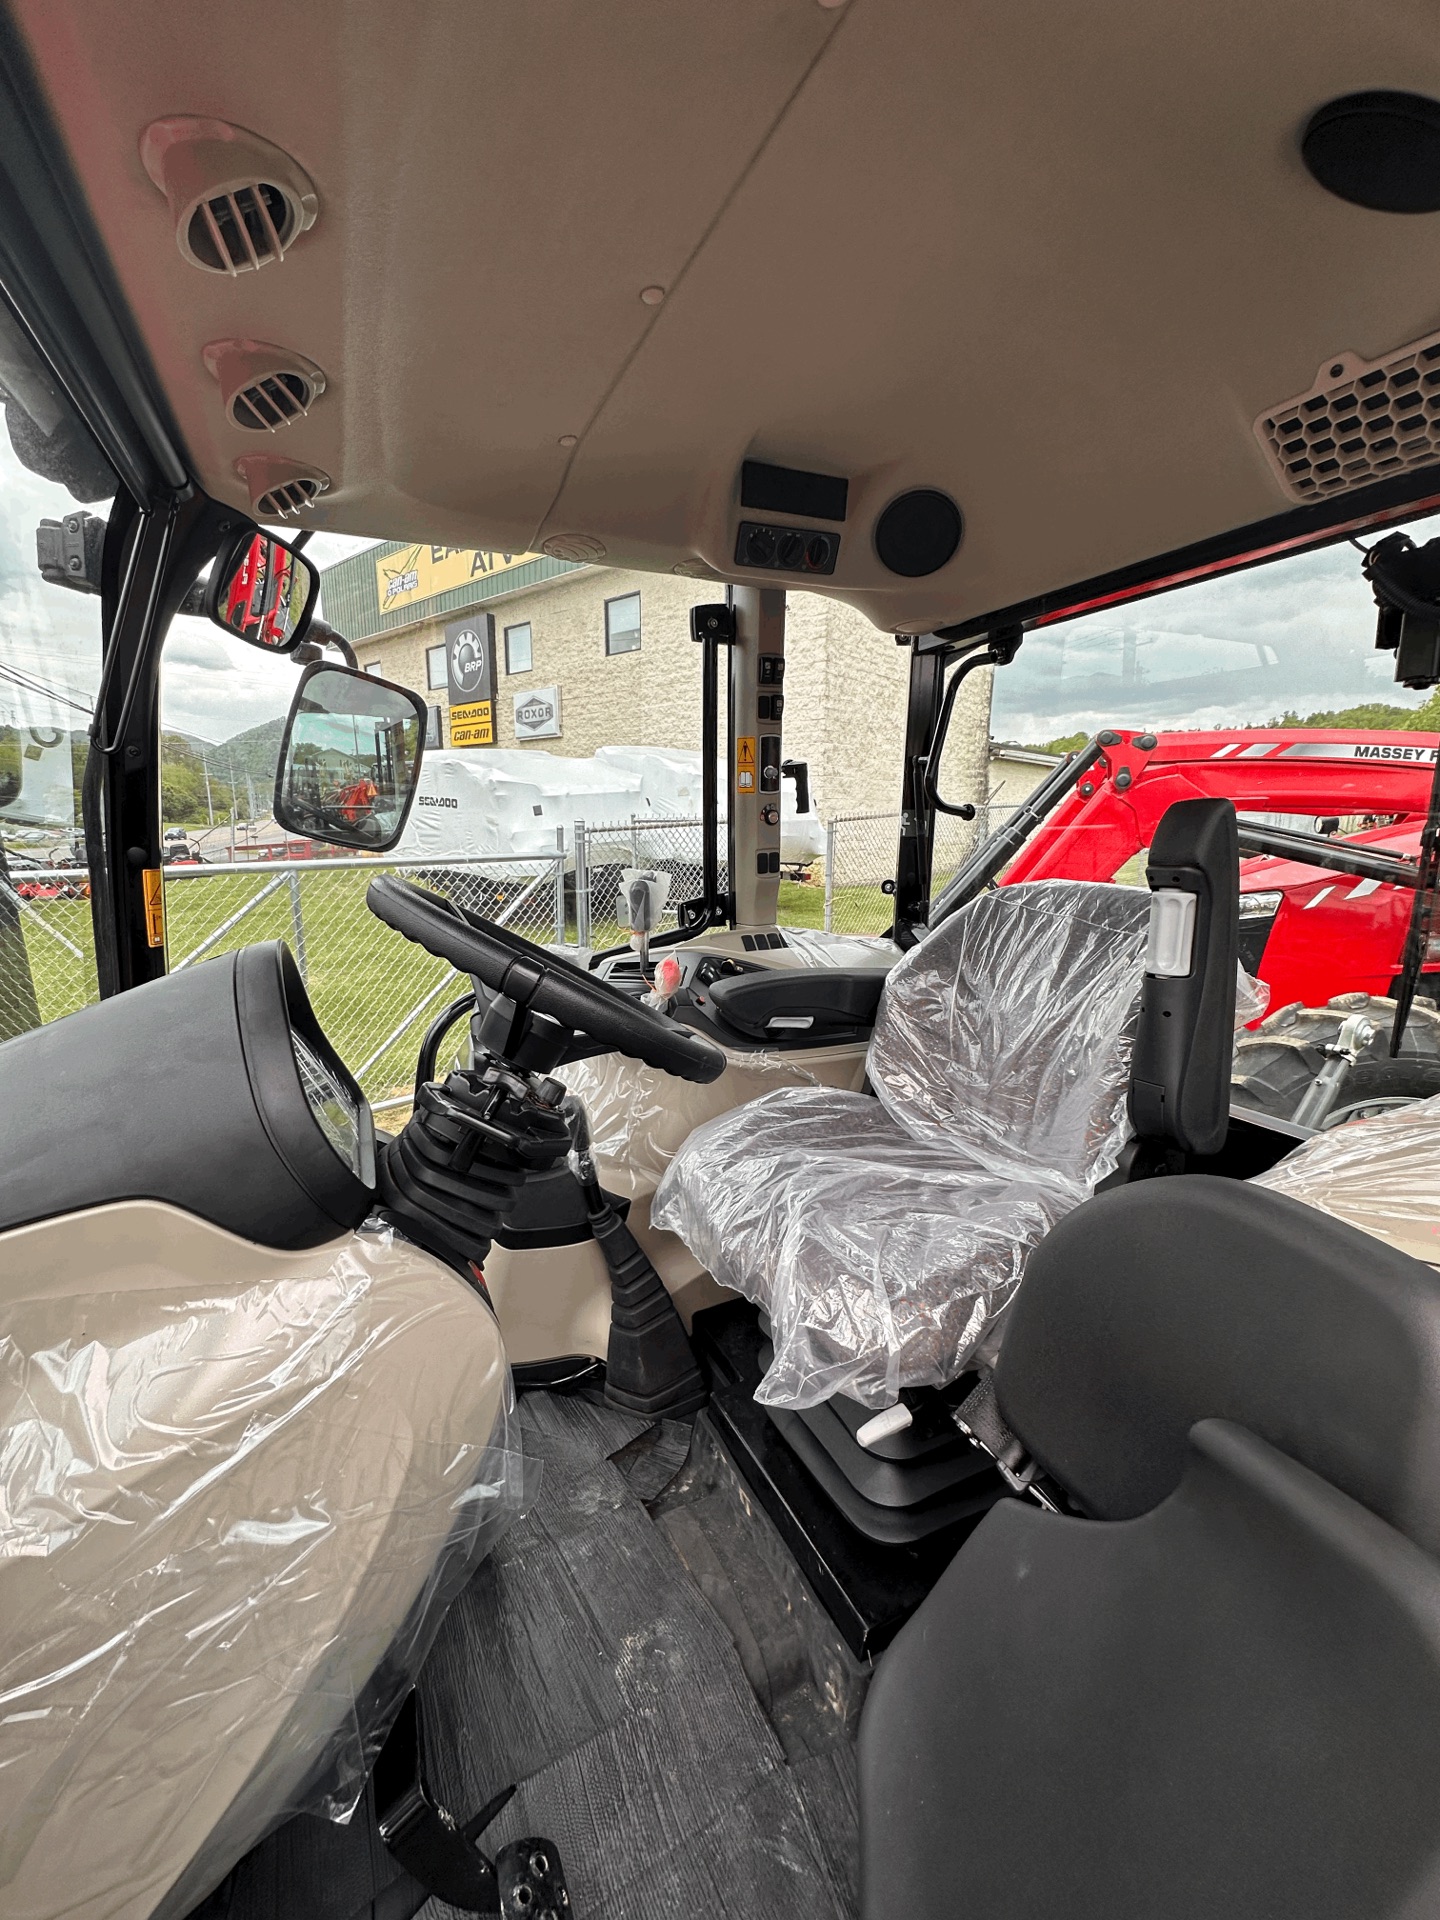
x=1052, y=258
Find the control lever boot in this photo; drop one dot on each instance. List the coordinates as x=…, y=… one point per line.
x=650, y=1367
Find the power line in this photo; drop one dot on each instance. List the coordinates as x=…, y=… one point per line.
x=29, y=685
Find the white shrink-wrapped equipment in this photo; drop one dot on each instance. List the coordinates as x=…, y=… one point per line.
x=508, y=801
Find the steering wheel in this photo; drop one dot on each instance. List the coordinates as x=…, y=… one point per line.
x=541, y=982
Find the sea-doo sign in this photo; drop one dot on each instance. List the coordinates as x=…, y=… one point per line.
x=470, y=671
x=537, y=714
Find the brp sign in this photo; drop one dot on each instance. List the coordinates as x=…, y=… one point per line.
x=470, y=659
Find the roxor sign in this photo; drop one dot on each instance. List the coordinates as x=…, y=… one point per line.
x=537, y=714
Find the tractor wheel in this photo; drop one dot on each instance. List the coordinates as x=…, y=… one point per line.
x=1374, y=1086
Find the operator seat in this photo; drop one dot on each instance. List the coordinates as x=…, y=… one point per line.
x=1217, y=1693
x=883, y=1235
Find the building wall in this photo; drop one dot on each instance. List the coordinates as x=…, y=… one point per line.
x=845, y=682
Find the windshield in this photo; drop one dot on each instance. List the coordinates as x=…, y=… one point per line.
x=51, y=476
x=1291, y=643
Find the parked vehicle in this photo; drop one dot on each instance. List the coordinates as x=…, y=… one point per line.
x=36, y=879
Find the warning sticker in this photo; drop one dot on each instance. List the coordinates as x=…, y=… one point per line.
x=154, y=906
x=745, y=763
x=473, y=725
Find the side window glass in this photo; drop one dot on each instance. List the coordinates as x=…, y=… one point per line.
x=55, y=493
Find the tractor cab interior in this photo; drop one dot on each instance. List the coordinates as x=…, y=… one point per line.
x=766, y=1421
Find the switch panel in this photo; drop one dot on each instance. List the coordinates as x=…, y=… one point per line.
x=786, y=549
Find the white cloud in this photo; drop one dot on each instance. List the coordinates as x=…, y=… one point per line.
x=1297, y=634
x=214, y=687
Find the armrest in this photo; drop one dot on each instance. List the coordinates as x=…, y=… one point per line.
x=781, y=1003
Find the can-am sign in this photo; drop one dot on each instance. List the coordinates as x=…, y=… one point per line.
x=537, y=714
x=419, y=573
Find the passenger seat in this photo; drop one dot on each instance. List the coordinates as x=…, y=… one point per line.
x=1218, y=1692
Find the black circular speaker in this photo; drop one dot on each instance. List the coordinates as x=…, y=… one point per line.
x=1377, y=150
x=918, y=532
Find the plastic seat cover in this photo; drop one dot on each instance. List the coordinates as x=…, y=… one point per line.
x=237, y=1490
x=884, y=1236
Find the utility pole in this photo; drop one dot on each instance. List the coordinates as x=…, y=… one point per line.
x=205, y=769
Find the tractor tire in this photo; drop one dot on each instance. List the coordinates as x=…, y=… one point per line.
x=1375, y=1086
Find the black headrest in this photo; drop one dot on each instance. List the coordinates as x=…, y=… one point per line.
x=1177, y=1300
x=1185, y=1040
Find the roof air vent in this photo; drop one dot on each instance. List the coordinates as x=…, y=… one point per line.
x=237, y=201
x=264, y=387
x=1362, y=420
x=280, y=488
x=573, y=546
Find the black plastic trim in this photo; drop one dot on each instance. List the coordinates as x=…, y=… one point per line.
x=270, y=995
x=184, y=1091
x=808, y=496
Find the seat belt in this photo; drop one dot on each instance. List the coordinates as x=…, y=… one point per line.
x=979, y=1418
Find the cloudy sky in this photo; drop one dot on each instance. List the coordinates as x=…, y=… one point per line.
x=1295, y=635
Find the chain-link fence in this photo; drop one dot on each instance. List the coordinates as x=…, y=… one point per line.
x=47, y=945
x=860, y=859
x=373, y=993
x=602, y=852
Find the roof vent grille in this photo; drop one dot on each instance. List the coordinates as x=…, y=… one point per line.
x=280, y=489
x=268, y=404
x=237, y=201
x=264, y=388
x=1362, y=421
x=291, y=496
x=233, y=232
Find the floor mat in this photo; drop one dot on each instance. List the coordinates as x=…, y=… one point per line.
x=590, y=1664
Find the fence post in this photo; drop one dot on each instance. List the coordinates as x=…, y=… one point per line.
x=297, y=920
x=634, y=842
x=559, y=886
x=830, y=876
x=582, y=886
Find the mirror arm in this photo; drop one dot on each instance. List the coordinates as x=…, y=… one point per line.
x=322, y=633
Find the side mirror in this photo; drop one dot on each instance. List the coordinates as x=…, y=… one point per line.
x=262, y=591
x=350, y=758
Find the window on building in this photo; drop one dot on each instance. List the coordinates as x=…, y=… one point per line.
x=434, y=729
x=435, y=677
x=373, y=666
x=519, y=654
x=622, y=624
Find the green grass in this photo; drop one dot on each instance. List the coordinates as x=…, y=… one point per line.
x=363, y=979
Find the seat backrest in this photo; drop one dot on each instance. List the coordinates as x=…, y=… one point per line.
x=1225, y=1707
x=1223, y=1701
x=1006, y=1032
x=1176, y=1300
